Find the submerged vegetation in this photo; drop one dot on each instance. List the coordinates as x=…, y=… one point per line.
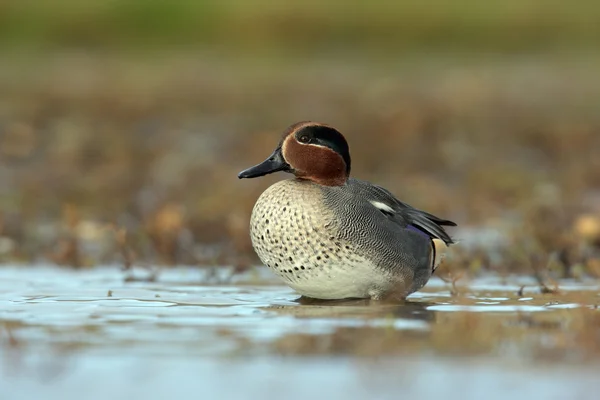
x=488, y=318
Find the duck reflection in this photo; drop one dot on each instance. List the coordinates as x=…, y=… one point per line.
x=359, y=308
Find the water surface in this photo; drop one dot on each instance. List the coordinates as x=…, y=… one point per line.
x=91, y=334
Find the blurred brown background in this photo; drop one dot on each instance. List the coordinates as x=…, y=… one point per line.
x=123, y=124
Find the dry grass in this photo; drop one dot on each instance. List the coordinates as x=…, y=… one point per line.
x=123, y=124
x=109, y=158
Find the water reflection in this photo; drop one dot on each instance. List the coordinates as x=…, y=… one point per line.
x=55, y=320
x=359, y=308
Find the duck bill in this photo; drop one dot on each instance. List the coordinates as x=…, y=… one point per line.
x=274, y=163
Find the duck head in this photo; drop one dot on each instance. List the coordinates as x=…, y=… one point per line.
x=311, y=151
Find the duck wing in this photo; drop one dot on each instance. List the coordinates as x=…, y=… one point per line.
x=404, y=214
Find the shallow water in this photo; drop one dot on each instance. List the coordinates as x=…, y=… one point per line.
x=90, y=334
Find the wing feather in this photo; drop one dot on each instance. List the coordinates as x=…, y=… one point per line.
x=405, y=214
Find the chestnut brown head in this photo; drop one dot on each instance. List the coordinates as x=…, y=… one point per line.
x=309, y=150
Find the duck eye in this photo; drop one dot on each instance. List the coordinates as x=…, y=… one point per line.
x=304, y=139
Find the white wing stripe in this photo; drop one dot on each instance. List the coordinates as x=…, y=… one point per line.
x=382, y=206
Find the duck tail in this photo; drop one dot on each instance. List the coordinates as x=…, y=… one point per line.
x=438, y=252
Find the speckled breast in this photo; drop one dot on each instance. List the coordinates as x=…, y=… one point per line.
x=290, y=230
x=296, y=236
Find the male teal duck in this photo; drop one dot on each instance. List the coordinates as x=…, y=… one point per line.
x=330, y=236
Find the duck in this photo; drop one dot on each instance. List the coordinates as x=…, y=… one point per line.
x=330, y=236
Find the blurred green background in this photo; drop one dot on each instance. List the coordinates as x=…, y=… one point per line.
x=123, y=123
x=307, y=26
